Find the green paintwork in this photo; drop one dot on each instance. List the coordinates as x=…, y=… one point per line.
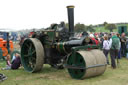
x=61, y=49
x=76, y=73
x=27, y=51
x=50, y=34
x=84, y=47
x=76, y=60
x=122, y=29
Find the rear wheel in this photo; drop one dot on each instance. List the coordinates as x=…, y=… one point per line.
x=32, y=55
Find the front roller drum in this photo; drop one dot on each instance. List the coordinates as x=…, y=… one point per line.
x=86, y=64
x=32, y=55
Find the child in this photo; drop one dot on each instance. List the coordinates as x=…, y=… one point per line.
x=8, y=66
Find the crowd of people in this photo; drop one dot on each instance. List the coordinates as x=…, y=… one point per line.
x=112, y=43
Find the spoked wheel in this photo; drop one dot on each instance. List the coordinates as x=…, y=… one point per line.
x=32, y=55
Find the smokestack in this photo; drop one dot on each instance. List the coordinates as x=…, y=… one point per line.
x=70, y=10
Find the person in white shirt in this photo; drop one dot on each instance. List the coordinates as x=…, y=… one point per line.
x=106, y=48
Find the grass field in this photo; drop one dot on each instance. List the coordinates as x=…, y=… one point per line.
x=102, y=29
x=51, y=76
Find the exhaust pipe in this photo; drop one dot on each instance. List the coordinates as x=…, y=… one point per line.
x=70, y=10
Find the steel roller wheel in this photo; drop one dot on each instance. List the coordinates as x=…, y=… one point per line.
x=32, y=55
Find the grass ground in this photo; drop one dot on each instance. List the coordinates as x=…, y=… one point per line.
x=102, y=29
x=51, y=76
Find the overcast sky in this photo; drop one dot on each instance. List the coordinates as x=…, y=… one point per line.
x=26, y=14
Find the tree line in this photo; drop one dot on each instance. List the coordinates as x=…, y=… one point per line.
x=92, y=28
x=82, y=27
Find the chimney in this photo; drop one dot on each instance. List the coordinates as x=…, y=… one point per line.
x=70, y=10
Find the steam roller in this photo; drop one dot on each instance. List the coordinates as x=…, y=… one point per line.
x=87, y=64
x=62, y=48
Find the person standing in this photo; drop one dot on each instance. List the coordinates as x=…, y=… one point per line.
x=106, y=48
x=101, y=41
x=114, y=48
x=123, y=45
x=119, y=53
x=127, y=48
